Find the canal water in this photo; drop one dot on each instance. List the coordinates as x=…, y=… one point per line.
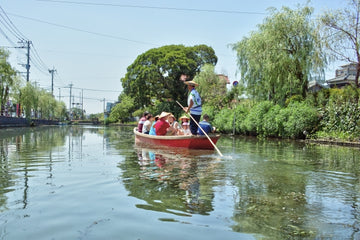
x=84, y=182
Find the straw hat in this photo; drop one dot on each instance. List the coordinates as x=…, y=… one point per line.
x=164, y=114
x=183, y=117
x=191, y=83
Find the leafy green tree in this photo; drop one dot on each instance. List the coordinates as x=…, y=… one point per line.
x=122, y=110
x=60, y=110
x=77, y=113
x=47, y=104
x=28, y=99
x=278, y=59
x=155, y=74
x=7, y=78
x=211, y=88
x=340, y=30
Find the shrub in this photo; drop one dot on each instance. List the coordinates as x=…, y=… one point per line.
x=224, y=120
x=272, y=123
x=253, y=123
x=343, y=117
x=299, y=119
x=209, y=110
x=241, y=112
x=294, y=98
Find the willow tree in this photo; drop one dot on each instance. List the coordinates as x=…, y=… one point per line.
x=278, y=59
x=212, y=89
x=8, y=78
x=340, y=30
x=47, y=104
x=29, y=99
x=155, y=74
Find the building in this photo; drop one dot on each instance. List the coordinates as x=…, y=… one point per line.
x=343, y=76
x=315, y=86
x=224, y=78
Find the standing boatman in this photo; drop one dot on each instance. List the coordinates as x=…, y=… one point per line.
x=194, y=106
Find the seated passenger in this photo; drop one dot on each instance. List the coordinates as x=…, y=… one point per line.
x=206, y=126
x=142, y=121
x=147, y=124
x=185, y=130
x=174, y=124
x=162, y=127
x=152, y=129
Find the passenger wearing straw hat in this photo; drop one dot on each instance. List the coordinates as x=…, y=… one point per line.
x=162, y=127
x=194, y=106
x=184, y=130
x=184, y=119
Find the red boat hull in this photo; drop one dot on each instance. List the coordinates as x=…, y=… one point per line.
x=191, y=142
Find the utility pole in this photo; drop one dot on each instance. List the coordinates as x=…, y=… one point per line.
x=28, y=61
x=104, y=110
x=52, y=79
x=82, y=104
x=70, y=102
x=27, y=66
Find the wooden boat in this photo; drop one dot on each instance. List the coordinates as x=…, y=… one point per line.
x=186, y=141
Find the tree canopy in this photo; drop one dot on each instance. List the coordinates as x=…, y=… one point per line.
x=212, y=89
x=8, y=78
x=155, y=74
x=122, y=109
x=340, y=30
x=278, y=59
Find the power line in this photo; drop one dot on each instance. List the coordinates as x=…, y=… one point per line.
x=98, y=90
x=7, y=37
x=38, y=58
x=13, y=25
x=89, y=89
x=8, y=25
x=155, y=7
x=81, y=30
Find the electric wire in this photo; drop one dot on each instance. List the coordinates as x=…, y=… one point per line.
x=38, y=58
x=81, y=30
x=97, y=90
x=7, y=37
x=15, y=30
x=154, y=7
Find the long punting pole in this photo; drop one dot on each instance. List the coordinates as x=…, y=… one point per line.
x=202, y=130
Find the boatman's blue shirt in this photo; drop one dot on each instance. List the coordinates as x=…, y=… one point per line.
x=196, y=107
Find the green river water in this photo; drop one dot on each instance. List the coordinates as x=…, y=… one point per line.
x=87, y=182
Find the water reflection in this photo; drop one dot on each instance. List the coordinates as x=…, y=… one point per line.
x=271, y=189
x=293, y=190
x=24, y=150
x=27, y=152
x=173, y=180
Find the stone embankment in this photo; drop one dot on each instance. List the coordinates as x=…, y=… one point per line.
x=23, y=122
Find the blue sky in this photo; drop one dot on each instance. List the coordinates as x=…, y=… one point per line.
x=90, y=43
